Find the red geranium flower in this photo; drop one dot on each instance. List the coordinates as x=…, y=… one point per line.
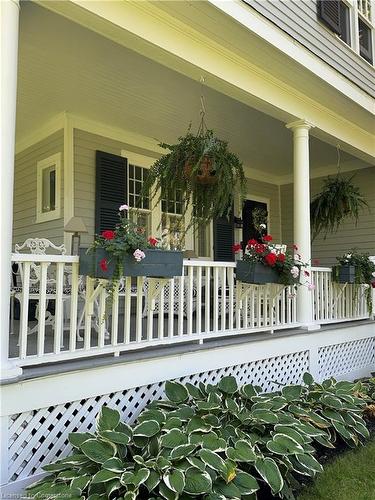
x=281, y=257
x=236, y=247
x=252, y=243
x=267, y=237
x=108, y=234
x=103, y=265
x=260, y=248
x=270, y=259
x=153, y=241
x=306, y=273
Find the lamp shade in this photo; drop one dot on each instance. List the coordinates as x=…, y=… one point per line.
x=75, y=225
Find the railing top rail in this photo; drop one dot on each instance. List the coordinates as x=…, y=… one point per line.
x=323, y=269
x=207, y=263
x=30, y=257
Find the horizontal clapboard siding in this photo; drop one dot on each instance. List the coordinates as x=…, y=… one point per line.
x=299, y=19
x=349, y=235
x=25, y=192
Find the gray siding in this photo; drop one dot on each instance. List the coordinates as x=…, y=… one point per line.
x=271, y=192
x=349, y=235
x=299, y=19
x=25, y=192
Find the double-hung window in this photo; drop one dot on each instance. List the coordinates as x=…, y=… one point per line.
x=142, y=215
x=48, y=188
x=172, y=208
x=352, y=21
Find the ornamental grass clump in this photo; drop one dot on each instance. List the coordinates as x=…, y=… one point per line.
x=210, y=442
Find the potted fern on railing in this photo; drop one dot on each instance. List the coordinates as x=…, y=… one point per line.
x=126, y=251
x=356, y=268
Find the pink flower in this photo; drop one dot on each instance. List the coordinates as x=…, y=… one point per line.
x=138, y=255
x=295, y=247
x=123, y=207
x=311, y=286
x=306, y=273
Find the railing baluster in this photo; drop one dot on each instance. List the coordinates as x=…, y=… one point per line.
x=114, y=315
x=42, y=307
x=181, y=300
x=24, y=310
x=138, y=318
x=207, y=300
x=88, y=313
x=189, y=298
x=231, y=296
x=215, y=298
x=73, y=307
x=223, y=298
x=171, y=302
x=161, y=315
x=198, y=310
x=58, y=326
x=127, y=309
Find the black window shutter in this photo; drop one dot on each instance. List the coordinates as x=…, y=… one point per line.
x=329, y=14
x=223, y=239
x=110, y=189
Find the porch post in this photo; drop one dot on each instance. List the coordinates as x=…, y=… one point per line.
x=301, y=218
x=9, y=10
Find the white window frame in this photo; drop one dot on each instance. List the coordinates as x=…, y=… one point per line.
x=155, y=208
x=261, y=199
x=51, y=161
x=354, y=15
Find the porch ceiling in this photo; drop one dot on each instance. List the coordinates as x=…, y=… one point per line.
x=65, y=67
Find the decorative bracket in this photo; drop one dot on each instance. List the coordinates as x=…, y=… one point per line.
x=155, y=287
x=243, y=290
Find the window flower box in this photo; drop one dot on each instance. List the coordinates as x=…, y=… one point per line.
x=157, y=263
x=344, y=273
x=256, y=272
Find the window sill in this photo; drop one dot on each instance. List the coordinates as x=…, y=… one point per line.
x=48, y=216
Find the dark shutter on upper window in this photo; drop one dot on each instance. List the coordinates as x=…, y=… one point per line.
x=223, y=239
x=110, y=189
x=329, y=14
x=365, y=41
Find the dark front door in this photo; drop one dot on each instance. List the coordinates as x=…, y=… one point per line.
x=249, y=229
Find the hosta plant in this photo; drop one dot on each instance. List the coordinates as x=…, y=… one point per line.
x=209, y=442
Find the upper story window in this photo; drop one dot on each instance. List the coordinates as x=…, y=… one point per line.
x=48, y=188
x=351, y=20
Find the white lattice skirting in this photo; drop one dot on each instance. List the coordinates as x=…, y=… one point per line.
x=39, y=435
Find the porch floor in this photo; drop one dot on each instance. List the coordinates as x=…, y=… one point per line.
x=31, y=372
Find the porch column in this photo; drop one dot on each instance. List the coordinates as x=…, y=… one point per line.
x=9, y=14
x=301, y=218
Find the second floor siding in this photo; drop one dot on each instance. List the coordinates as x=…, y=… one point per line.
x=298, y=18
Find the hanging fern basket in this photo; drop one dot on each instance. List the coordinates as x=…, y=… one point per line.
x=205, y=174
x=339, y=200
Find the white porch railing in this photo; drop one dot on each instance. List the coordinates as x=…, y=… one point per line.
x=335, y=302
x=76, y=317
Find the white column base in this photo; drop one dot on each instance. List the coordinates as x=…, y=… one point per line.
x=311, y=327
x=10, y=372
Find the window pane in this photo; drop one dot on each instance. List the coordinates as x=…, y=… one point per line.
x=345, y=23
x=365, y=42
x=49, y=189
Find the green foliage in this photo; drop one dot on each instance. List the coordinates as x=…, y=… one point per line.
x=338, y=200
x=168, y=176
x=211, y=443
x=364, y=272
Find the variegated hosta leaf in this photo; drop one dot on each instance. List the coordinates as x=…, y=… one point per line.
x=173, y=438
x=152, y=414
x=282, y=444
x=242, y=452
x=176, y=392
x=104, y=475
x=98, y=451
x=175, y=480
x=309, y=462
x=246, y=483
x=269, y=471
x=114, y=465
x=228, y=385
x=181, y=451
x=135, y=478
x=197, y=482
x=147, y=428
x=107, y=419
x=308, y=379
x=77, y=438
x=115, y=437
x=266, y=416
x=212, y=459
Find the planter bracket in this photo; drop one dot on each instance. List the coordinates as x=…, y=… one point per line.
x=155, y=287
x=243, y=290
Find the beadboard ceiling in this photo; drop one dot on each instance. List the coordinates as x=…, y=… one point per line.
x=66, y=67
